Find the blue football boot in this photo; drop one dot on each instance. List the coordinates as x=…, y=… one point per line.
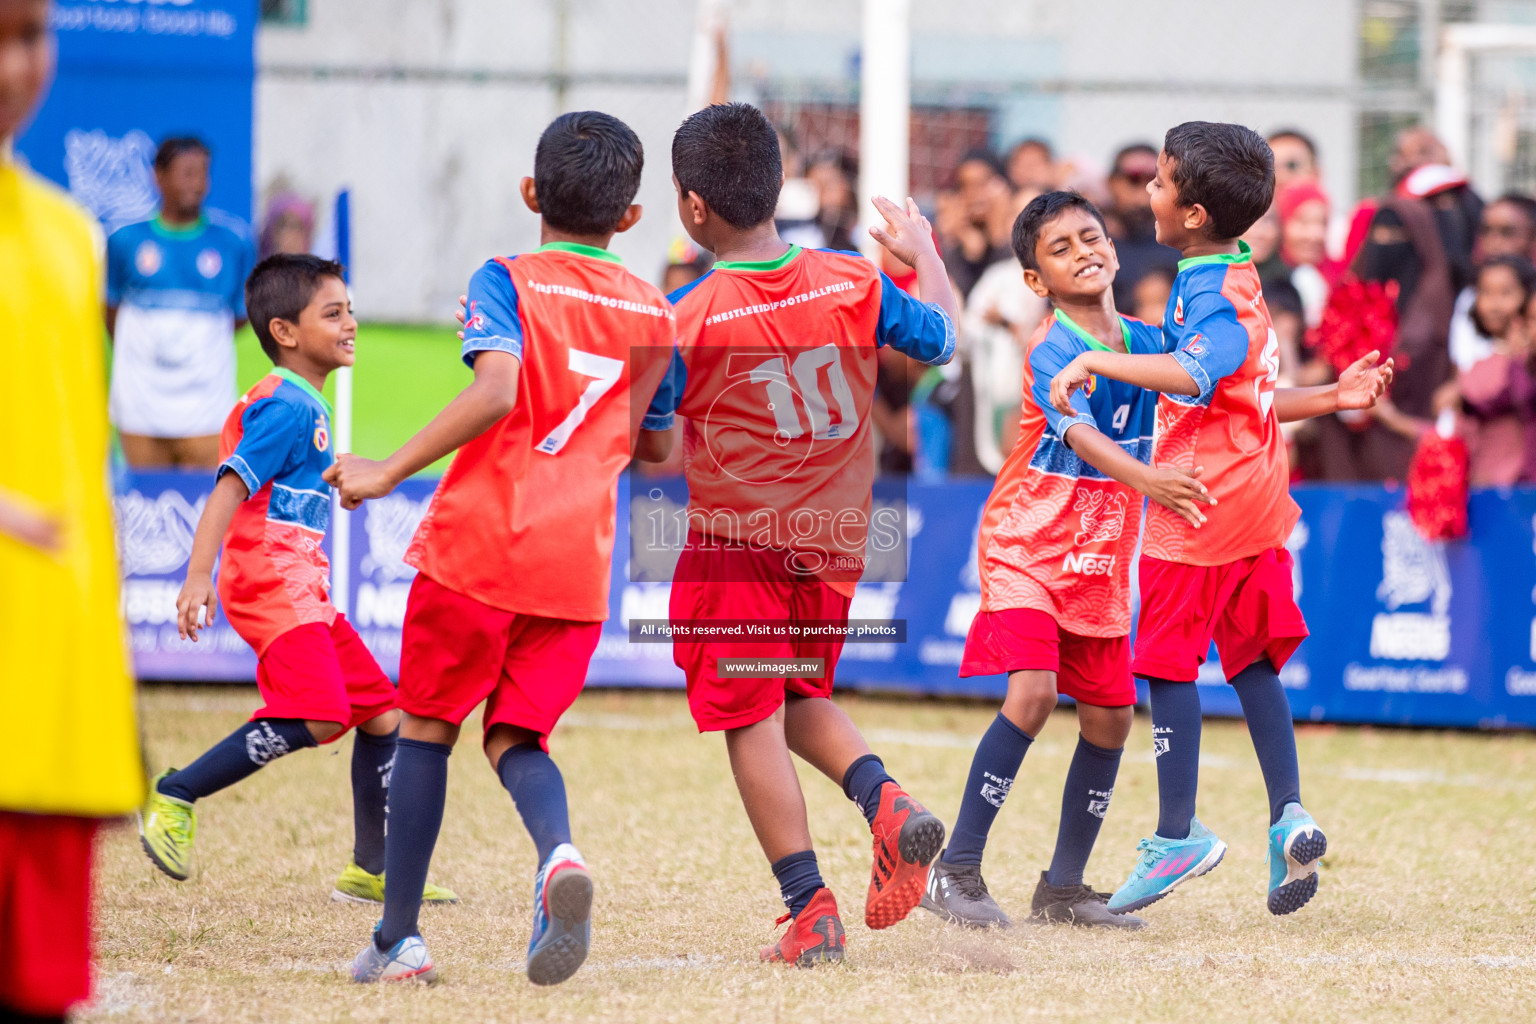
x=1296, y=844
x=1164, y=864
x=562, y=917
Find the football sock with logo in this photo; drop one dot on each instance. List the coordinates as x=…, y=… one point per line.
x=1268, y=712
x=998, y=756
x=237, y=755
x=1176, y=746
x=538, y=790
x=862, y=782
x=799, y=879
x=418, y=789
x=373, y=758
x=1084, y=802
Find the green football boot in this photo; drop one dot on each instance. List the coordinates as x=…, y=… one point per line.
x=357, y=886
x=166, y=829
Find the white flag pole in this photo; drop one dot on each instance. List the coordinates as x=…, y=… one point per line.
x=885, y=109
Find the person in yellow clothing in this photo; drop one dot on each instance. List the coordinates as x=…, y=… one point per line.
x=63, y=656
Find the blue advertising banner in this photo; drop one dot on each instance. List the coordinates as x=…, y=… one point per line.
x=132, y=72
x=1403, y=631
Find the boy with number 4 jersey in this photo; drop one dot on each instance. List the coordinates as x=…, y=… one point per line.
x=1231, y=580
x=514, y=551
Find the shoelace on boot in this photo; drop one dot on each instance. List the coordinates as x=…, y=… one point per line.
x=970, y=884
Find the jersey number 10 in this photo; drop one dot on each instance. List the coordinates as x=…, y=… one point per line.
x=803, y=378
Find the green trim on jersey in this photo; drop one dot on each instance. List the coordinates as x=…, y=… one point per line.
x=160, y=227
x=308, y=388
x=759, y=265
x=1090, y=340
x=580, y=250
x=1243, y=255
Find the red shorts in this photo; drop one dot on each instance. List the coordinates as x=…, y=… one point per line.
x=45, y=913
x=322, y=673
x=1248, y=607
x=457, y=652
x=1092, y=669
x=746, y=584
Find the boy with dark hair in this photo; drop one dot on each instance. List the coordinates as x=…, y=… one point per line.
x=1230, y=581
x=270, y=510
x=1057, y=539
x=514, y=553
x=779, y=507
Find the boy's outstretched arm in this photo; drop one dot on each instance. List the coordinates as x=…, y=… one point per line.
x=1360, y=386
x=1169, y=486
x=1161, y=373
x=653, y=445
x=909, y=237
x=489, y=397
x=198, y=592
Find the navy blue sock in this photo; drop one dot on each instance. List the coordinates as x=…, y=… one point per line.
x=373, y=757
x=862, y=782
x=1268, y=711
x=998, y=756
x=1084, y=802
x=1176, y=746
x=538, y=790
x=237, y=755
x=799, y=878
x=418, y=789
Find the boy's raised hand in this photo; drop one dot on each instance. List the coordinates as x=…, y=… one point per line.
x=907, y=234
x=196, y=594
x=1075, y=375
x=1179, y=492
x=357, y=479
x=1363, y=383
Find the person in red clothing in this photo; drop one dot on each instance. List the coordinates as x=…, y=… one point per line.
x=1230, y=580
x=514, y=553
x=775, y=376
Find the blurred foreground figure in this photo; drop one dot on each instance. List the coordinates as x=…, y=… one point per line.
x=72, y=758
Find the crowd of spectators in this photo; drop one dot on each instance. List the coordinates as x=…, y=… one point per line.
x=1457, y=271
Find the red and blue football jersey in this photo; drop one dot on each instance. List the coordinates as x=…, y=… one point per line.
x=1057, y=535
x=775, y=375
x=273, y=575
x=1218, y=328
x=524, y=518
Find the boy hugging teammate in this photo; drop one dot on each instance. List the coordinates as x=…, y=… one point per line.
x=775, y=376
x=1057, y=538
x=515, y=550
x=270, y=509
x=1231, y=580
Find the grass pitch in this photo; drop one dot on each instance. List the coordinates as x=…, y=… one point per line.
x=1425, y=911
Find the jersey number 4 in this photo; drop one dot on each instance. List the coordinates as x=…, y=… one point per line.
x=803, y=379
x=605, y=372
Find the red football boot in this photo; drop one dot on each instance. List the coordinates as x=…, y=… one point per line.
x=816, y=936
x=907, y=838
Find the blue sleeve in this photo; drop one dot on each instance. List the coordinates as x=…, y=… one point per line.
x=490, y=318
x=1212, y=343
x=919, y=329
x=272, y=431
x=117, y=267
x=245, y=260
x=669, y=394
x=1046, y=361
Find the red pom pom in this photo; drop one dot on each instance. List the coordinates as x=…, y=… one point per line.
x=1360, y=318
x=1437, y=487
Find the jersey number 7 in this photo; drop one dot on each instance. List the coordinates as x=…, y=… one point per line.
x=605, y=372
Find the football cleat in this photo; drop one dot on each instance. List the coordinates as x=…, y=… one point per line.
x=357, y=886
x=958, y=894
x=816, y=936
x=907, y=839
x=167, y=827
x=406, y=960
x=562, y=917
x=1166, y=863
x=1296, y=844
x=1078, y=905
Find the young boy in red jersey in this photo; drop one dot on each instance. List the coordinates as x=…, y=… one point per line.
x=779, y=505
x=1231, y=580
x=515, y=550
x=269, y=510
